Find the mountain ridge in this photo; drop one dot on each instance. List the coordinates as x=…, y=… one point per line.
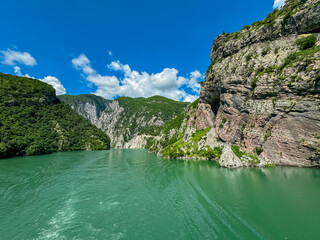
x=33, y=121
x=258, y=107
x=124, y=118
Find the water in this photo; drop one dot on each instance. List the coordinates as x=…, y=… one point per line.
x=130, y=194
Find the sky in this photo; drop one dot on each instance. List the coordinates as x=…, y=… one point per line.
x=118, y=48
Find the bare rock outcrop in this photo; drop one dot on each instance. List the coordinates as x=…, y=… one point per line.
x=262, y=90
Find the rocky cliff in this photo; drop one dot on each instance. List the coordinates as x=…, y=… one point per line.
x=88, y=106
x=259, y=105
x=261, y=97
x=129, y=122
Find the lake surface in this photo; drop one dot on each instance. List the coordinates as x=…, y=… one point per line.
x=131, y=194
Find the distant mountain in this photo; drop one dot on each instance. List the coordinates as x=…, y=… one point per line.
x=87, y=105
x=258, y=107
x=34, y=121
x=125, y=119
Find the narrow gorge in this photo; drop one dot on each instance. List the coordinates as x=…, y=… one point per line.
x=259, y=104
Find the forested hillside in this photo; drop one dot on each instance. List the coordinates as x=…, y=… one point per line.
x=33, y=121
x=126, y=119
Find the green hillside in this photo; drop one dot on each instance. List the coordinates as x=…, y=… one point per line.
x=33, y=121
x=125, y=117
x=153, y=106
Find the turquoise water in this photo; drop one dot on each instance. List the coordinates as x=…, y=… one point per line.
x=131, y=194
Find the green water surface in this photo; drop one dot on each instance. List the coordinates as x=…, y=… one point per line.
x=131, y=194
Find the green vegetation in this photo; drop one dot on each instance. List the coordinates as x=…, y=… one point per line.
x=269, y=165
x=317, y=81
x=269, y=20
x=258, y=150
x=254, y=83
x=248, y=57
x=302, y=57
x=153, y=106
x=155, y=112
x=199, y=134
x=209, y=69
x=190, y=148
x=246, y=27
x=265, y=51
x=172, y=131
x=236, y=150
x=285, y=13
x=261, y=71
x=195, y=104
x=307, y=42
x=267, y=135
x=33, y=121
x=224, y=120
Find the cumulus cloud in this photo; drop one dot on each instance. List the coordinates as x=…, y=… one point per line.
x=83, y=63
x=12, y=57
x=190, y=98
x=109, y=53
x=139, y=84
x=278, y=3
x=55, y=83
x=17, y=70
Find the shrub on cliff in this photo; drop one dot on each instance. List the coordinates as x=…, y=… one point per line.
x=306, y=42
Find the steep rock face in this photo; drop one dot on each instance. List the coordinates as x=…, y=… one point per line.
x=127, y=121
x=89, y=106
x=262, y=88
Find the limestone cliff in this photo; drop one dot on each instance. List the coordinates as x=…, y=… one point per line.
x=261, y=94
x=129, y=122
x=259, y=104
x=89, y=106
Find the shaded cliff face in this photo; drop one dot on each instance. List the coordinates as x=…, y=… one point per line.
x=262, y=90
x=259, y=105
x=129, y=122
x=89, y=106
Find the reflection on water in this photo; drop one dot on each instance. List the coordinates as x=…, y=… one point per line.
x=130, y=194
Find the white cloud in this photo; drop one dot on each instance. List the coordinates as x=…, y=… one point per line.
x=55, y=83
x=190, y=98
x=83, y=63
x=109, y=53
x=27, y=75
x=140, y=84
x=17, y=70
x=11, y=57
x=278, y=3
x=193, y=82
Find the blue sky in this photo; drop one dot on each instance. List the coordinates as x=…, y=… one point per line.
x=119, y=48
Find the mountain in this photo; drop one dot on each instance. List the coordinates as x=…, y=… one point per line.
x=129, y=122
x=87, y=105
x=34, y=121
x=260, y=102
